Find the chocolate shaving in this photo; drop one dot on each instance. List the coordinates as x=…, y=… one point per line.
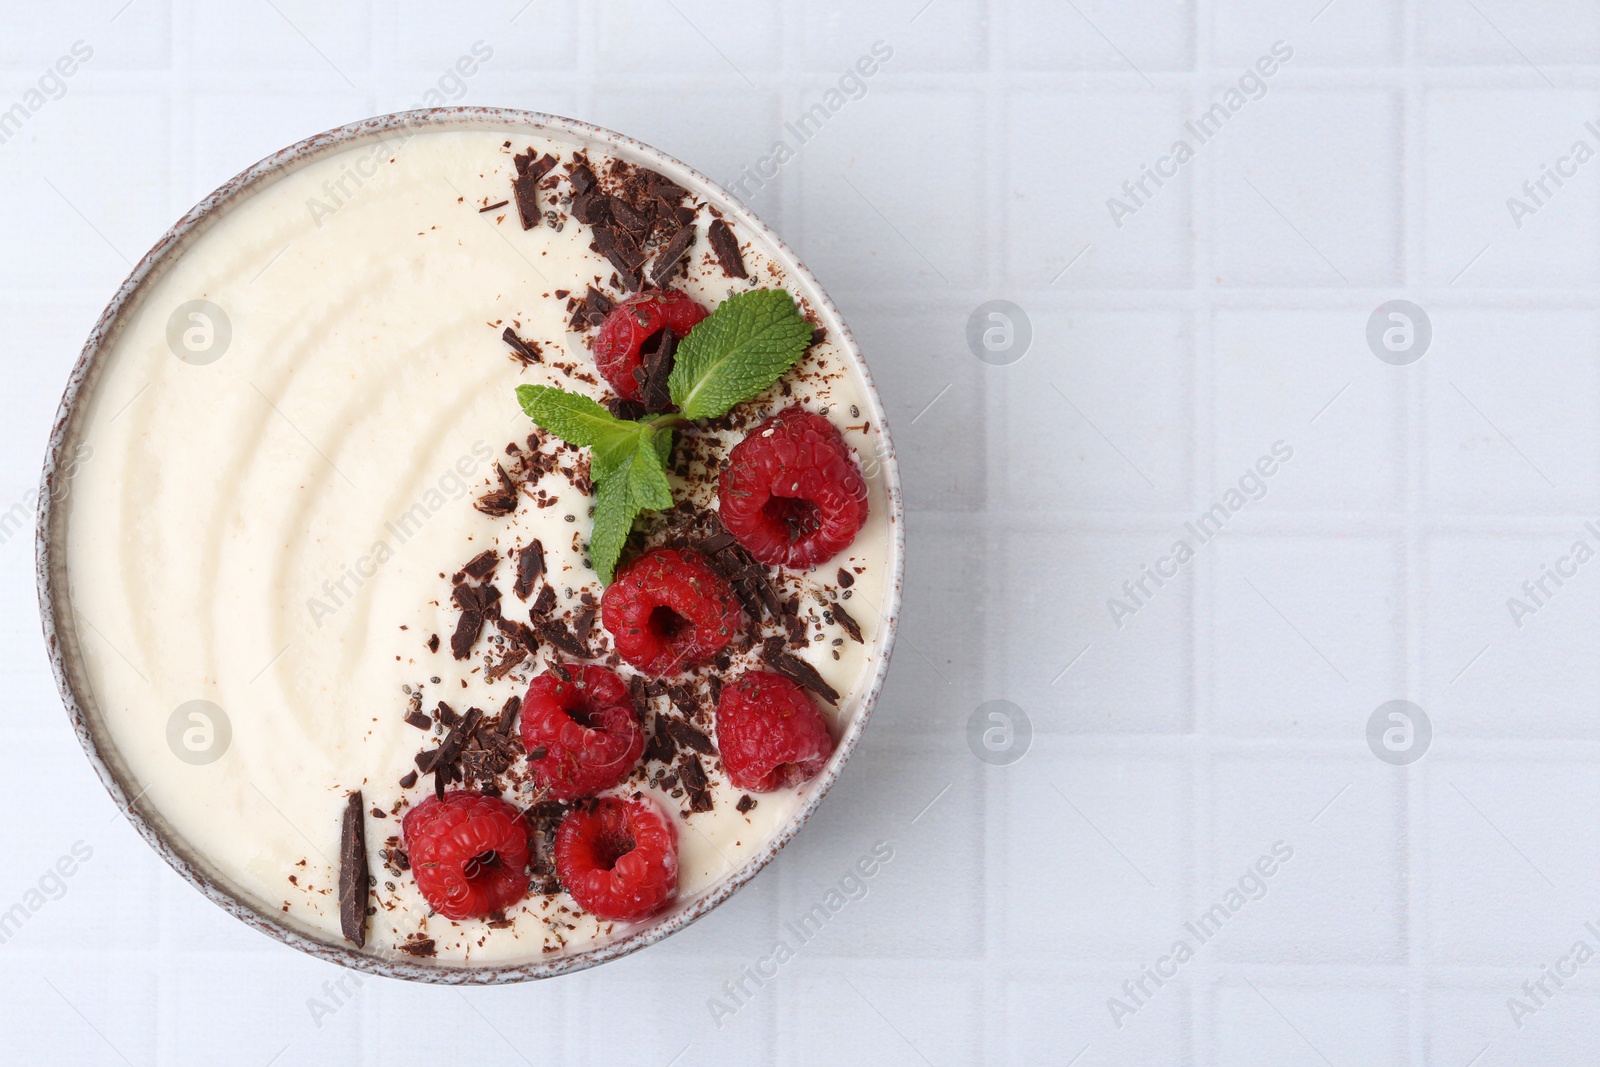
x=492, y=207
x=846, y=579
x=525, y=187
x=418, y=946
x=419, y=719
x=524, y=352
x=504, y=667
x=519, y=632
x=408, y=779
x=438, y=760
x=544, y=819
x=583, y=179
x=746, y=802
x=694, y=781
x=583, y=625
x=629, y=219
x=557, y=634
x=688, y=736
x=508, y=715
x=671, y=254
x=589, y=208
x=656, y=370
x=468, y=627
x=801, y=673
x=591, y=310
x=482, y=565
x=628, y=410
x=726, y=248
x=353, y=874
x=661, y=746
x=545, y=602
x=502, y=501
x=850, y=626
x=597, y=302
x=716, y=542
x=530, y=564
x=665, y=189
x=483, y=598
x=433, y=642
x=622, y=252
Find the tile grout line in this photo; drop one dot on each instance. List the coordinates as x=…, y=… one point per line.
x=1412, y=894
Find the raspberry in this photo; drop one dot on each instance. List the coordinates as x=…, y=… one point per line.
x=618, y=858
x=469, y=853
x=669, y=609
x=792, y=493
x=633, y=326
x=587, y=727
x=770, y=734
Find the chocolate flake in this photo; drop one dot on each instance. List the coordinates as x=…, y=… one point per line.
x=656, y=370
x=419, y=719
x=438, y=761
x=502, y=501
x=746, y=802
x=504, y=667
x=622, y=252
x=636, y=224
x=545, y=602
x=846, y=579
x=508, y=715
x=524, y=352
x=671, y=254
x=408, y=779
x=843, y=618
x=492, y=207
x=688, y=736
x=530, y=564
x=801, y=673
x=726, y=248
x=525, y=187
x=557, y=634
x=520, y=633
x=418, y=946
x=589, y=208
x=468, y=627
x=693, y=776
x=433, y=642
x=353, y=874
x=482, y=565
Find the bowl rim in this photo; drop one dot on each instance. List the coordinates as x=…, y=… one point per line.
x=55, y=605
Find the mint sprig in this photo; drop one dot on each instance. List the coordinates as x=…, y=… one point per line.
x=732, y=355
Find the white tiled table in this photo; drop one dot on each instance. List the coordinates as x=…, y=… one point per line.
x=1226, y=714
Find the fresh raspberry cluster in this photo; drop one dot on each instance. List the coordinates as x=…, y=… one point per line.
x=792, y=493
x=770, y=734
x=469, y=853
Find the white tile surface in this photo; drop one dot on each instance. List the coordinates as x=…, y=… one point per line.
x=1229, y=709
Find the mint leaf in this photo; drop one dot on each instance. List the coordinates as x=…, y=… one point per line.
x=580, y=421
x=637, y=483
x=737, y=351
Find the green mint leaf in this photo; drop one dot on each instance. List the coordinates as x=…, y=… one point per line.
x=575, y=419
x=737, y=351
x=638, y=483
